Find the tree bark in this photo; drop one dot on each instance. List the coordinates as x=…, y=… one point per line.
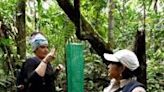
x=20, y=24
x=88, y=33
x=140, y=51
x=7, y=52
x=110, y=23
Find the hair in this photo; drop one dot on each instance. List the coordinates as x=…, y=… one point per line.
x=35, y=33
x=126, y=74
x=116, y=63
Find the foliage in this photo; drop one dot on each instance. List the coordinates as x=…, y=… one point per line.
x=128, y=17
x=6, y=84
x=155, y=71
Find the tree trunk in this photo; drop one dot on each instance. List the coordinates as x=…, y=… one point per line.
x=140, y=50
x=88, y=33
x=7, y=52
x=110, y=23
x=20, y=24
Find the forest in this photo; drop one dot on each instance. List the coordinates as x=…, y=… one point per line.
x=100, y=25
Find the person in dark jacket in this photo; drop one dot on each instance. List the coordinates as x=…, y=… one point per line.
x=38, y=74
x=122, y=70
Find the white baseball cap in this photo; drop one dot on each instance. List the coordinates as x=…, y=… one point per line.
x=125, y=57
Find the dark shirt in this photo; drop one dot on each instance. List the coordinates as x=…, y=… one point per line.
x=35, y=82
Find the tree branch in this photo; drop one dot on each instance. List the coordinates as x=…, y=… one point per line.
x=87, y=32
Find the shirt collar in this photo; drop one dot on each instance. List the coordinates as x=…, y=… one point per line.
x=124, y=82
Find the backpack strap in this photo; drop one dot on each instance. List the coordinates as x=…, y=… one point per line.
x=130, y=86
x=23, y=73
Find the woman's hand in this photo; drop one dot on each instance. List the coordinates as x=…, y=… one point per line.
x=60, y=67
x=50, y=56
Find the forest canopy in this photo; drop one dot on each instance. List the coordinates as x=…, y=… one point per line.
x=114, y=22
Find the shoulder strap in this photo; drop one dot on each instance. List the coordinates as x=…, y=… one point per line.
x=130, y=86
x=23, y=68
x=20, y=76
x=32, y=60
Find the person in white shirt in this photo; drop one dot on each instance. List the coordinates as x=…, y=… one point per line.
x=122, y=68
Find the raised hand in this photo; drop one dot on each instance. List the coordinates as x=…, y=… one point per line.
x=50, y=56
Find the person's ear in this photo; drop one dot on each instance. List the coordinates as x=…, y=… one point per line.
x=122, y=68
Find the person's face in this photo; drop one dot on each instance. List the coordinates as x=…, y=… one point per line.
x=42, y=51
x=114, y=71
